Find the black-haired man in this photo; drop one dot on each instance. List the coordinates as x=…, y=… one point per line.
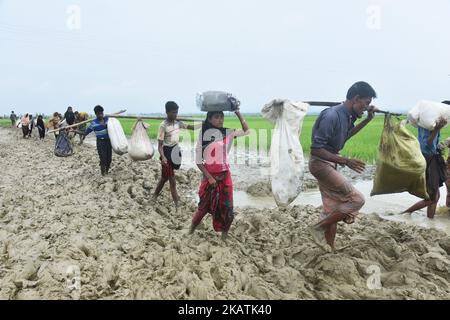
x=333, y=128
x=13, y=118
x=169, y=150
x=104, y=148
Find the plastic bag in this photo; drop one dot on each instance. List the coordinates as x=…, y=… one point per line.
x=217, y=101
x=140, y=147
x=426, y=114
x=63, y=147
x=118, y=139
x=400, y=164
x=286, y=153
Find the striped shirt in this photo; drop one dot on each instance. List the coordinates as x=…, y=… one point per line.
x=100, y=129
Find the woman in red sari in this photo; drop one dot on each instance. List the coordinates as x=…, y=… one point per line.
x=216, y=188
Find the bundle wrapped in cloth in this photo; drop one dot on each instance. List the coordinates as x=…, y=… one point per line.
x=427, y=113
x=63, y=147
x=400, y=165
x=286, y=153
x=118, y=139
x=140, y=147
x=217, y=101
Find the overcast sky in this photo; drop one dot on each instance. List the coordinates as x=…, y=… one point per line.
x=138, y=54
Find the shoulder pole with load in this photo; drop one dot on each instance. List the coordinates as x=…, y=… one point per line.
x=84, y=122
x=333, y=104
x=153, y=118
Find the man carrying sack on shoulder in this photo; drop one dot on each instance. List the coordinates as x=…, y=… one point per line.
x=333, y=128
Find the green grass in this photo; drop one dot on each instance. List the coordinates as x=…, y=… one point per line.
x=363, y=146
x=5, y=123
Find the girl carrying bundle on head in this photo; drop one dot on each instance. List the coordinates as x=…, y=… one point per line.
x=216, y=188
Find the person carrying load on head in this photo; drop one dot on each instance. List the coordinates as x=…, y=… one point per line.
x=436, y=171
x=216, y=188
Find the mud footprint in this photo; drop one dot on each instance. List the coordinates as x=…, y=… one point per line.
x=215, y=275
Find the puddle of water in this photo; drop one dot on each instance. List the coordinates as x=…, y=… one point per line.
x=386, y=206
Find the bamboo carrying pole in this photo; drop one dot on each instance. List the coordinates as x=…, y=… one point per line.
x=332, y=104
x=118, y=116
x=84, y=122
x=154, y=118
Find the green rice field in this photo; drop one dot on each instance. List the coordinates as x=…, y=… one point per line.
x=363, y=146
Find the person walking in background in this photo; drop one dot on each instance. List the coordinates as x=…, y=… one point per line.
x=81, y=117
x=25, y=122
x=30, y=125
x=54, y=123
x=69, y=116
x=41, y=127
x=13, y=118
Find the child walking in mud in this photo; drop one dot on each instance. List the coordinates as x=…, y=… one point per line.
x=216, y=188
x=104, y=148
x=169, y=150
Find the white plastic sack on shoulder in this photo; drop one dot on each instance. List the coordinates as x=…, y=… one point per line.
x=426, y=114
x=140, y=148
x=118, y=139
x=286, y=152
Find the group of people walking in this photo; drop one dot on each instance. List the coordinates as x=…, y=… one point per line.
x=27, y=123
x=332, y=129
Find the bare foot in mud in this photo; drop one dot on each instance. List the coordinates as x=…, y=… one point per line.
x=318, y=236
x=336, y=250
x=224, y=236
x=192, y=229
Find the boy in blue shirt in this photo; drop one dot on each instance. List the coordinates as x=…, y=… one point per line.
x=104, y=148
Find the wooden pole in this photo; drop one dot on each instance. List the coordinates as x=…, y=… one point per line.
x=153, y=118
x=322, y=104
x=84, y=122
x=332, y=104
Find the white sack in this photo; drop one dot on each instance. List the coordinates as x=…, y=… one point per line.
x=426, y=114
x=118, y=139
x=140, y=147
x=286, y=153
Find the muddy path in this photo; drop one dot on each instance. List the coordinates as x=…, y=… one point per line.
x=60, y=221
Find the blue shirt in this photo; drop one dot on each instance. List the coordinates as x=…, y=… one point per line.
x=427, y=149
x=332, y=129
x=100, y=129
